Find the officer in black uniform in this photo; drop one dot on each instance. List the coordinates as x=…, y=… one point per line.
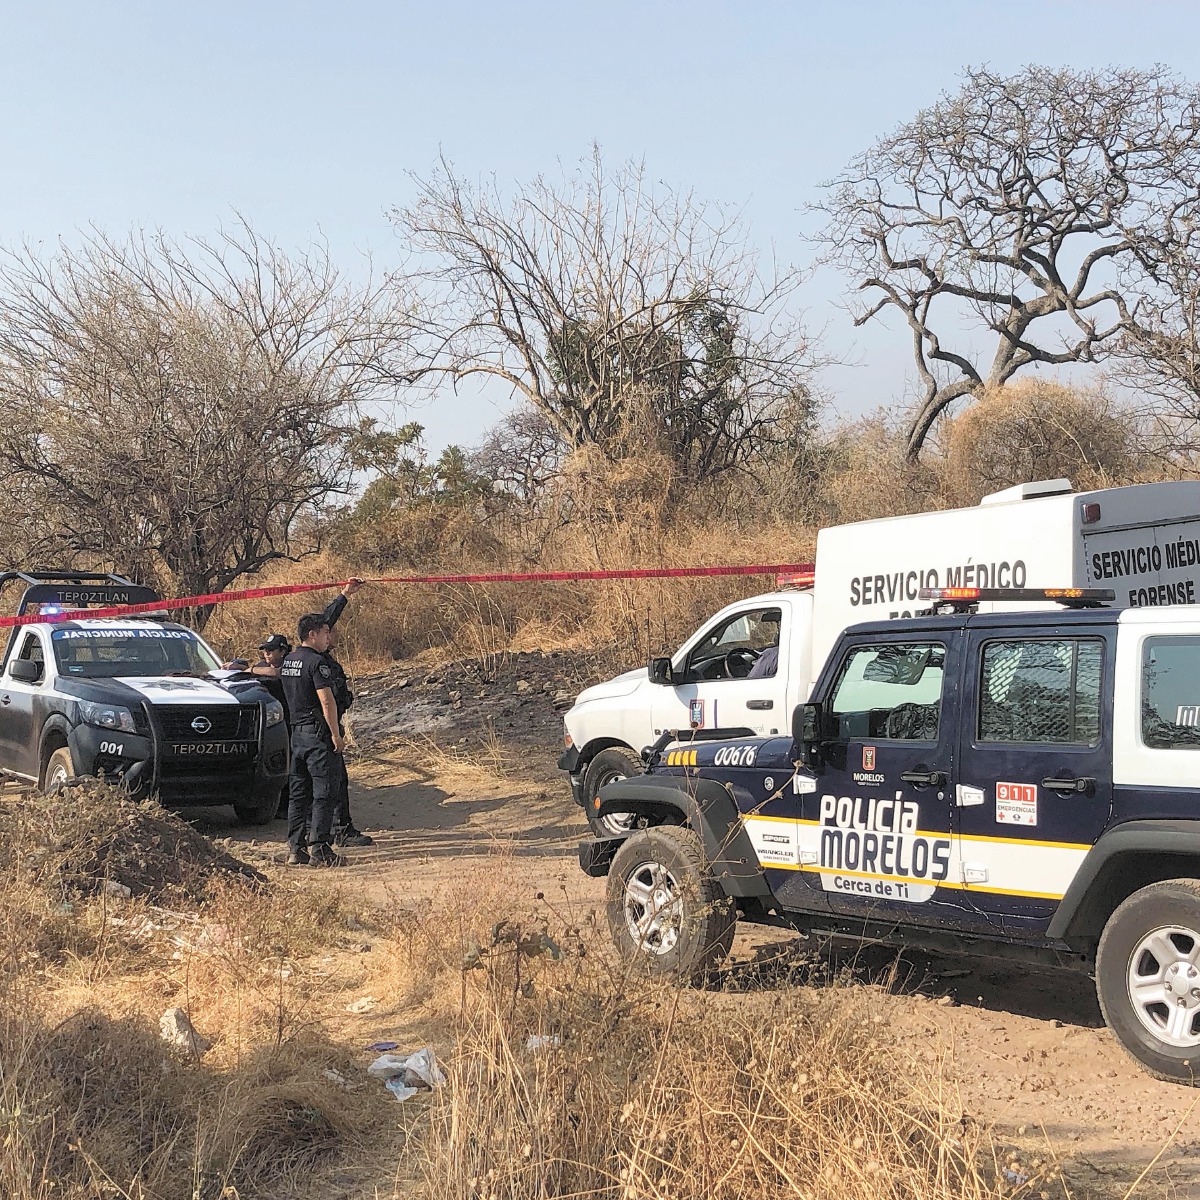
x=316, y=742
x=343, y=824
x=344, y=832
x=274, y=650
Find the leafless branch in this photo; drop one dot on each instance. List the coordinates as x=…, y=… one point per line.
x=1026, y=207
x=179, y=409
x=628, y=316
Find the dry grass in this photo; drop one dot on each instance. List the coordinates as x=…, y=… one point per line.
x=486, y=758
x=628, y=1090
x=624, y=621
x=93, y=1103
x=572, y=1080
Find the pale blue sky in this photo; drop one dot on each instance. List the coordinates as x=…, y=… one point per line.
x=307, y=117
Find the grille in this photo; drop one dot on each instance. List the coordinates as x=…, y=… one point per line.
x=229, y=722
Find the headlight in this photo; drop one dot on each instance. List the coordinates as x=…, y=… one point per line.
x=106, y=716
x=274, y=713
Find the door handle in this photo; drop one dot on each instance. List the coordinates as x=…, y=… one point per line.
x=759, y=705
x=1082, y=786
x=5, y=699
x=924, y=778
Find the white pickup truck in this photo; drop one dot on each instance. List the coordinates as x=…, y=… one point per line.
x=747, y=668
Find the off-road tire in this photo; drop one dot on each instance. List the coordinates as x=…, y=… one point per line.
x=1133, y=942
x=693, y=935
x=607, y=767
x=60, y=769
x=260, y=807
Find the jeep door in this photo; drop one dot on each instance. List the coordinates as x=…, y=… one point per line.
x=18, y=737
x=733, y=676
x=874, y=834
x=1034, y=788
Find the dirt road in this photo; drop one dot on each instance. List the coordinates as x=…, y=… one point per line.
x=451, y=782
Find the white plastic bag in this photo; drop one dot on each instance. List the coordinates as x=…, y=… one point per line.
x=406, y=1074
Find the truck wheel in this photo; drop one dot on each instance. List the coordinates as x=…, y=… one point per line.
x=260, y=807
x=607, y=767
x=60, y=770
x=1148, y=978
x=667, y=913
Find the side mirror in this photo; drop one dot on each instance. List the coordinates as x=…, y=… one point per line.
x=808, y=731
x=660, y=672
x=25, y=670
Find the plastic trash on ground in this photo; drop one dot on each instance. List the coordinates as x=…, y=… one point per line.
x=542, y=1041
x=400, y=1089
x=404, y=1075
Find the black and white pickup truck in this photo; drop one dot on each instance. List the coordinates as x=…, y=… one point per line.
x=1015, y=784
x=137, y=700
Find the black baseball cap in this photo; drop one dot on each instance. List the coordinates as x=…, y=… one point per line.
x=276, y=642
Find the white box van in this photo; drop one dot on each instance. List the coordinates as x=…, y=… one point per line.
x=748, y=666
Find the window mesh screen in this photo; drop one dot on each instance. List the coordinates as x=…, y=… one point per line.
x=1041, y=691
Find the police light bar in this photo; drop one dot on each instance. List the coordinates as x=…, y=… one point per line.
x=1081, y=597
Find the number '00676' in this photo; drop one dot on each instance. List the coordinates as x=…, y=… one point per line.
x=735, y=756
x=112, y=747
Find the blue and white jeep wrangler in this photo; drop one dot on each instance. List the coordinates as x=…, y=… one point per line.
x=1017, y=784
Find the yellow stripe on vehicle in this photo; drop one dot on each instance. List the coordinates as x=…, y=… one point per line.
x=928, y=833
x=937, y=883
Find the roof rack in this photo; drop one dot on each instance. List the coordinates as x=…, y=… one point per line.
x=963, y=599
x=66, y=589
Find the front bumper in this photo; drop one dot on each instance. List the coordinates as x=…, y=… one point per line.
x=596, y=855
x=569, y=761
x=150, y=765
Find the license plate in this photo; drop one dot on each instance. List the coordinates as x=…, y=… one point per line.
x=209, y=749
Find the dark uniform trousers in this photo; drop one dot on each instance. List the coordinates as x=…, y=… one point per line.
x=341, y=790
x=312, y=785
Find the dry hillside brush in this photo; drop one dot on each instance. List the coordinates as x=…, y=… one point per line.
x=567, y=1076
x=593, y=513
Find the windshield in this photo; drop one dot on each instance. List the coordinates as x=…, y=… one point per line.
x=125, y=653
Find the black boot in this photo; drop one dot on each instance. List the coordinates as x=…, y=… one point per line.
x=320, y=855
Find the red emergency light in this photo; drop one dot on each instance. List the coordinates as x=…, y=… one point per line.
x=796, y=579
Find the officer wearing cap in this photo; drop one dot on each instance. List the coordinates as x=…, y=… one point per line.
x=316, y=741
x=274, y=650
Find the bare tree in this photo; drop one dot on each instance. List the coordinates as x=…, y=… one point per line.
x=180, y=410
x=1158, y=356
x=628, y=317
x=522, y=454
x=1010, y=214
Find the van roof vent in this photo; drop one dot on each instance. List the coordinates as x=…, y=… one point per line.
x=1029, y=491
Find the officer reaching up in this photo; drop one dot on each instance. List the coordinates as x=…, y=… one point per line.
x=316, y=740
